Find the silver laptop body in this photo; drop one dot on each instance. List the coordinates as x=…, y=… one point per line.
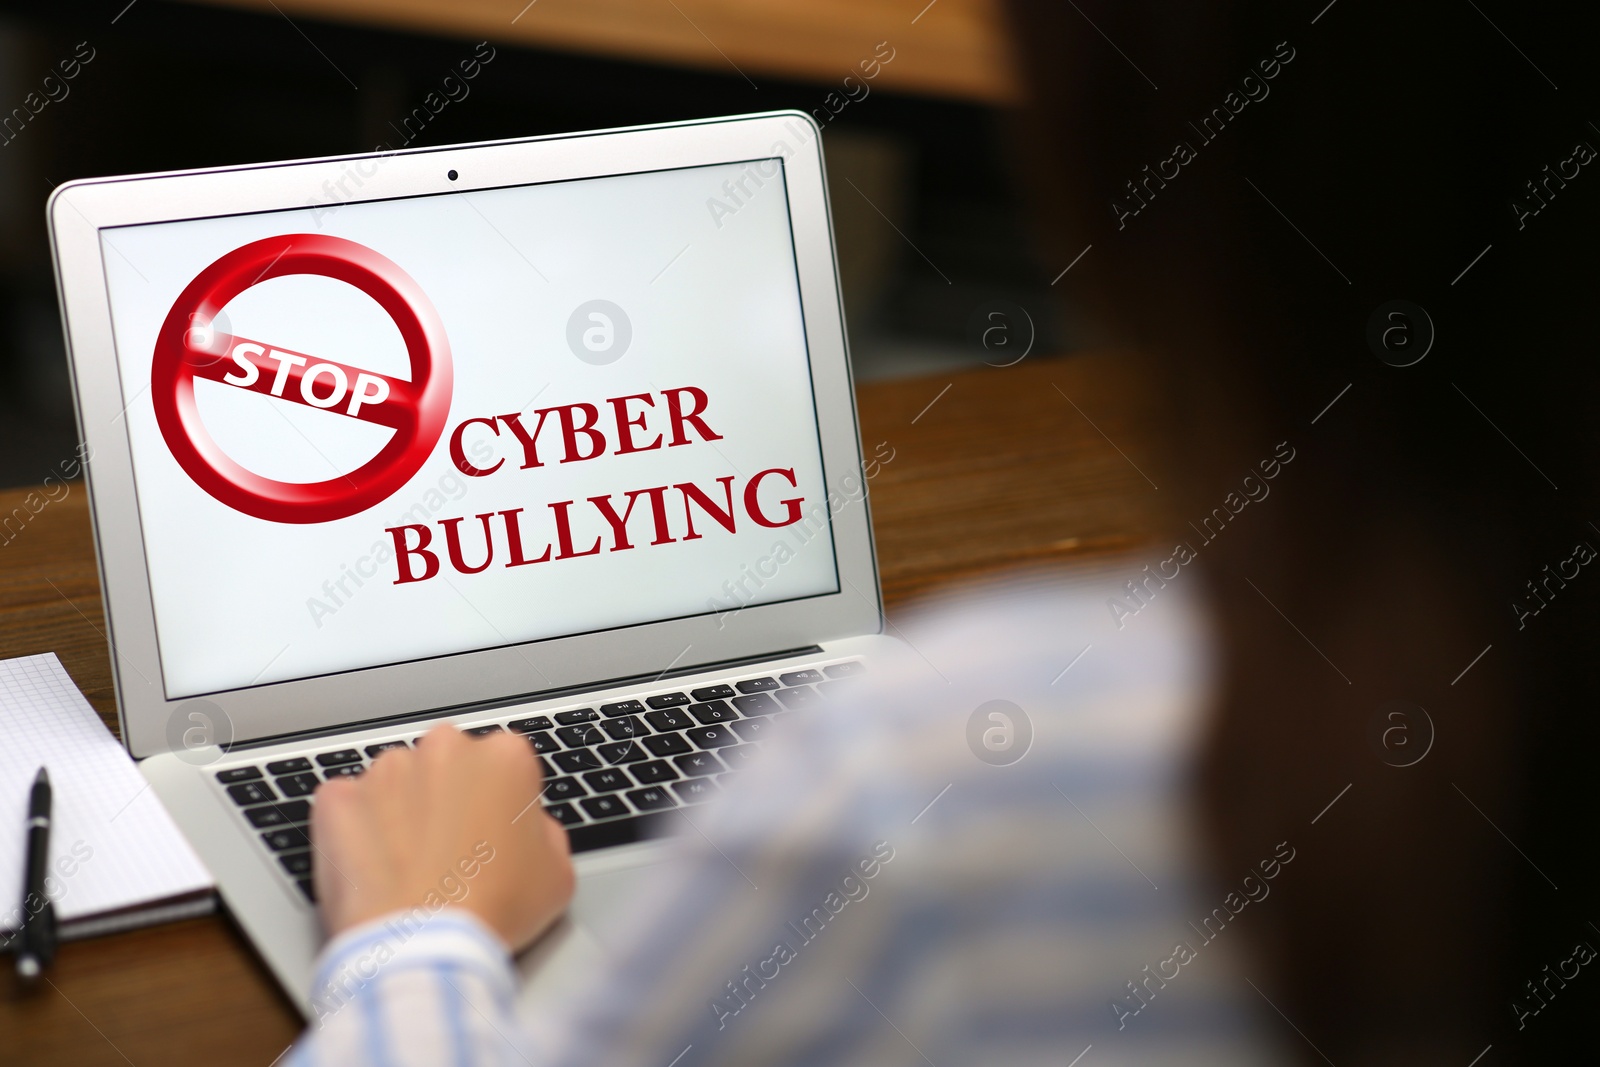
x=552, y=435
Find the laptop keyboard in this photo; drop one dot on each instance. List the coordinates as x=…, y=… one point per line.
x=612, y=771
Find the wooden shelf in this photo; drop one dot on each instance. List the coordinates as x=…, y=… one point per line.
x=950, y=48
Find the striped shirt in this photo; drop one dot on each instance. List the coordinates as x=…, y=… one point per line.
x=986, y=855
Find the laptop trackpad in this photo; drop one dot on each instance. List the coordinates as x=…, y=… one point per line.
x=594, y=929
x=606, y=897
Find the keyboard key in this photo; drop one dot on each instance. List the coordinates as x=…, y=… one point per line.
x=669, y=720
x=282, y=814
x=657, y=770
x=563, y=789
x=603, y=807
x=622, y=707
x=577, y=761
x=622, y=752
x=760, y=704
x=286, y=838
x=296, y=862
x=752, y=729
x=757, y=685
x=800, y=677
x=483, y=731
x=713, y=711
x=298, y=785
x=726, y=780
x=307, y=889
x=251, y=793
x=714, y=692
x=695, y=790
x=845, y=670
x=838, y=688
x=348, y=770
x=527, y=726
x=739, y=756
x=264, y=817
x=238, y=774
x=289, y=766
x=608, y=781
x=652, y=799
x=627, y=726
x=711, y=736
x=565, y=814
x=573, y=718
x=384, y=746
x=543, y=742
x=667, y=700
x=579, y=736
x=801, y=696
x=666, y=744
x=545, y=770
x=698, y=763
x=335, y=759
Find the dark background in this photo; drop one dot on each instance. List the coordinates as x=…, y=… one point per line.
x=174, y=86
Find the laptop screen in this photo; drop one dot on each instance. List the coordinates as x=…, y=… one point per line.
x=365, y=433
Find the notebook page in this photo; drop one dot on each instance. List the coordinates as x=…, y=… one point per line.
x=112, y=844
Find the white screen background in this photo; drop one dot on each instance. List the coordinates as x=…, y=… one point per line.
x=713, y=306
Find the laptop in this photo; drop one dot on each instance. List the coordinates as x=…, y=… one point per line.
x=553, y=436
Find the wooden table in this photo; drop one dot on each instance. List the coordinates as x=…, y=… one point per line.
x=988, y=468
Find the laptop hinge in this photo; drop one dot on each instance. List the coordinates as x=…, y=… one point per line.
x=523, y=698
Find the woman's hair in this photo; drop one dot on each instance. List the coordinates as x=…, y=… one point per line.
x=1365, y=234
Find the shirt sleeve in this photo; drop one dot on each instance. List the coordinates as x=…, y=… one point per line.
x=413, y=987
x=885, y=887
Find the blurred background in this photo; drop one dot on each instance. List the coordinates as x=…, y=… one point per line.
x=918, y=170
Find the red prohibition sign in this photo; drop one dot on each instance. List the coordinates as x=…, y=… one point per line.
x=188, y=348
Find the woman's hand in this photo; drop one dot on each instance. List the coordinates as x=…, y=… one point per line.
x=456, y=820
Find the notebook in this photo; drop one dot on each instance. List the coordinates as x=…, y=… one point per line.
x=116, y=859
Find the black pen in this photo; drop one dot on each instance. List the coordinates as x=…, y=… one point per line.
x=36, y=941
